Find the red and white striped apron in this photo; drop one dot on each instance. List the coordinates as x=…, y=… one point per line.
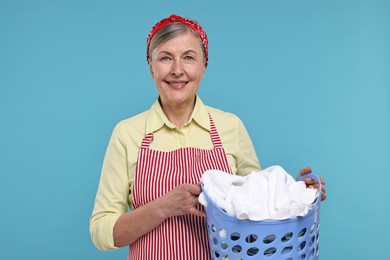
x=158, y=172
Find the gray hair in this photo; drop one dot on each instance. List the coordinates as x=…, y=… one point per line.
x=169, y=32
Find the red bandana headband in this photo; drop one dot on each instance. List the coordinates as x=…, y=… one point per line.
x=175, y=18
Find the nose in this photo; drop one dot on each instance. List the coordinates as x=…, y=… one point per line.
x=177, y=68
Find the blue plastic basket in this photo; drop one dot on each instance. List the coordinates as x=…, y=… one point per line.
x=291, y=239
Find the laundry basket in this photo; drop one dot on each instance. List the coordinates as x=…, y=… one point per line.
x=291, y=239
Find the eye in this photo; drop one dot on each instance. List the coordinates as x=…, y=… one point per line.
x=189, y=57
x=165, y=58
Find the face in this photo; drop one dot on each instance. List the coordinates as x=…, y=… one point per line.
x=177, y=67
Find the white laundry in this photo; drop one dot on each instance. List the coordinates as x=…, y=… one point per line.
x=269, y=194
x=218, y=183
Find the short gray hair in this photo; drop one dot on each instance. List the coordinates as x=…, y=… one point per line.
x=169, y=32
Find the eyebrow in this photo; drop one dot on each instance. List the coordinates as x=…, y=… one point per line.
x=169, y=53
x=190, y=51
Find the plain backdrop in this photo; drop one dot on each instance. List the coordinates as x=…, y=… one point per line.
x=309, y=78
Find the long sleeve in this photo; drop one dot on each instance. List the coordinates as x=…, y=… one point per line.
x=112, y=195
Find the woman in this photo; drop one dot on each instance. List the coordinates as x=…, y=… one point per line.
x=155, y=160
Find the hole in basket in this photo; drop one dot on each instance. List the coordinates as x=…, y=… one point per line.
x=252, y=251
x=302, y=233
x=222, y=233
x=287, y=249
x=251, y=238
x=213, y=228
x=312, y=241
x=289, y=258
x=236, y=249
x=216, y=254
x=311, y=255
x=269, y=239
x=302, y=246
x=226, y=257
x=302, y=257
x=224, y=245
x=313, y=226
x=287, y=237
x=235, y=236
x=270, y=251
x=215, y=241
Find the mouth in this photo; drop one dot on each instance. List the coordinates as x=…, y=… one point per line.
x=176, y=84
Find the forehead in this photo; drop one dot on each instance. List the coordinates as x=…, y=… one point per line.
x=184, y=42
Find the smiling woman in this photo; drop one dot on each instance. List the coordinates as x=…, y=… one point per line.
x=177, y=67
x=155, y=160
x=176, y=54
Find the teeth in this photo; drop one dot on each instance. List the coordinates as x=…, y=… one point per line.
x=177, y=83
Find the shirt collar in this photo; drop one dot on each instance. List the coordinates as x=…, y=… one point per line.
x=157, y=118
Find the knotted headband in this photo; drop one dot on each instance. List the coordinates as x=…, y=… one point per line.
x=175, y=18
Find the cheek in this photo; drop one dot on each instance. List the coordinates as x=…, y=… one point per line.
x=200, y=74
x=194, y=72
x=159, y=72
x=201, y=71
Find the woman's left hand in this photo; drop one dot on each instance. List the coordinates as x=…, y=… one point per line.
x=310, y=183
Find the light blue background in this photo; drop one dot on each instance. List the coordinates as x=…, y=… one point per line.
x=309, y=78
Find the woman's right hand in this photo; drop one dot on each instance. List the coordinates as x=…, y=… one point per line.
x=182, y=200
x=179, y=201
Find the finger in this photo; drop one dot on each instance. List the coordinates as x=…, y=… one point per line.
x=323, y=196
x=322, y=181
x=314, y=185
x=310, y=181
x=196, y=212
x=305, y=170
x=194, y=189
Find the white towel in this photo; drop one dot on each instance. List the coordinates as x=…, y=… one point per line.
x=269, y=194
x=220, y=186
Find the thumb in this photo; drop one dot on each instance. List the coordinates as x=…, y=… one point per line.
x=194, y=189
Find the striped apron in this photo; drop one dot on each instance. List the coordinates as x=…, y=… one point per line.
x=157, y=172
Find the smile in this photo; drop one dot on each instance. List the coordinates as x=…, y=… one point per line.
x=177, y=84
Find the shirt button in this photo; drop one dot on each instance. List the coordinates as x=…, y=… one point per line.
x=181, y=139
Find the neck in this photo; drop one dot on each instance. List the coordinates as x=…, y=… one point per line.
x=178, y=114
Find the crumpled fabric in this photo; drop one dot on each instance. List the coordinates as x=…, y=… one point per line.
x=269, y=194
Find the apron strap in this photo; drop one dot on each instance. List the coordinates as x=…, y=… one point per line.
x=214, y=135
x=147, y=141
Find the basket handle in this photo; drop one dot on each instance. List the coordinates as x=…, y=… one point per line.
x=316, y=178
